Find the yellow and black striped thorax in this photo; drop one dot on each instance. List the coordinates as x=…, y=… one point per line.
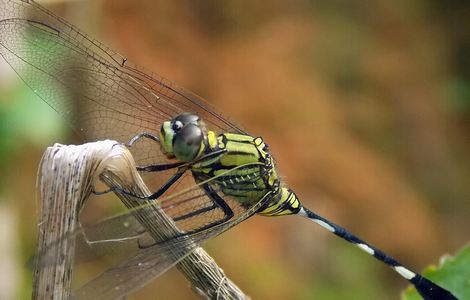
x=245, y=171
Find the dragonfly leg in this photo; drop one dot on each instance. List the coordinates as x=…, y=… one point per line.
x=155, y=167
x=98, y=193
x=217, y=202
x=159, y=167
x=164, y=167
x=195, y=213
x=147, y=135
x=166, y=186
x=153, y=196
x=183, y=217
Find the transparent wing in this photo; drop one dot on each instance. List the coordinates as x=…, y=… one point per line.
x=149, y=263
x=118, y=239
x=111, y=240
x=190, y=210
x=190, y=207
x=104, y=97
x=95, y=89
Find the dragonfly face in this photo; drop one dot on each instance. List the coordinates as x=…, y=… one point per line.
x=183, y=137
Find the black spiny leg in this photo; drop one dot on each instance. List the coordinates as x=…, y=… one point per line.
x=155, y=195
x=147, y=135
x=156, y=167
x=164, y=167
x=160, y=167
x=217, y=202
x=184, y=166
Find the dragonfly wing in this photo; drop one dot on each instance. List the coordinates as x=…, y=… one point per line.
x=111, y=239
x=118, y=238
x=95, y=89
x=115, y=100
x=187, y=205
x=151, y=262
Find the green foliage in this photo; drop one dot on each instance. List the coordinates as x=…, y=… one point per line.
x=452, y=274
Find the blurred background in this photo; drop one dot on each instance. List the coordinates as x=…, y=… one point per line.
x=365, y=105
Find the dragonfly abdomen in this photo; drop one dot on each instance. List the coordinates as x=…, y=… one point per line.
x=284, y=202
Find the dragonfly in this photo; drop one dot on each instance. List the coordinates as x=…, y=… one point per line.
x=180, y=142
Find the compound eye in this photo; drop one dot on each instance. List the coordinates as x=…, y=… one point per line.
x=187, y=143
x=187, y=118
x=177, y=125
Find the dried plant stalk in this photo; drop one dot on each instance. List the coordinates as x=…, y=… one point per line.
x=67, y=175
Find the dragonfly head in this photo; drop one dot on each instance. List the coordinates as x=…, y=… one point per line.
x=183, y=137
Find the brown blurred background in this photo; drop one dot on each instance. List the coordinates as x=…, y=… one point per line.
x=365, y=105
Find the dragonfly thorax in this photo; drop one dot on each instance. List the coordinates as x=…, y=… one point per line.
x=245, y=170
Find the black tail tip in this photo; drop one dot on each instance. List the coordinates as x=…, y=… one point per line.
x=431, y=291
